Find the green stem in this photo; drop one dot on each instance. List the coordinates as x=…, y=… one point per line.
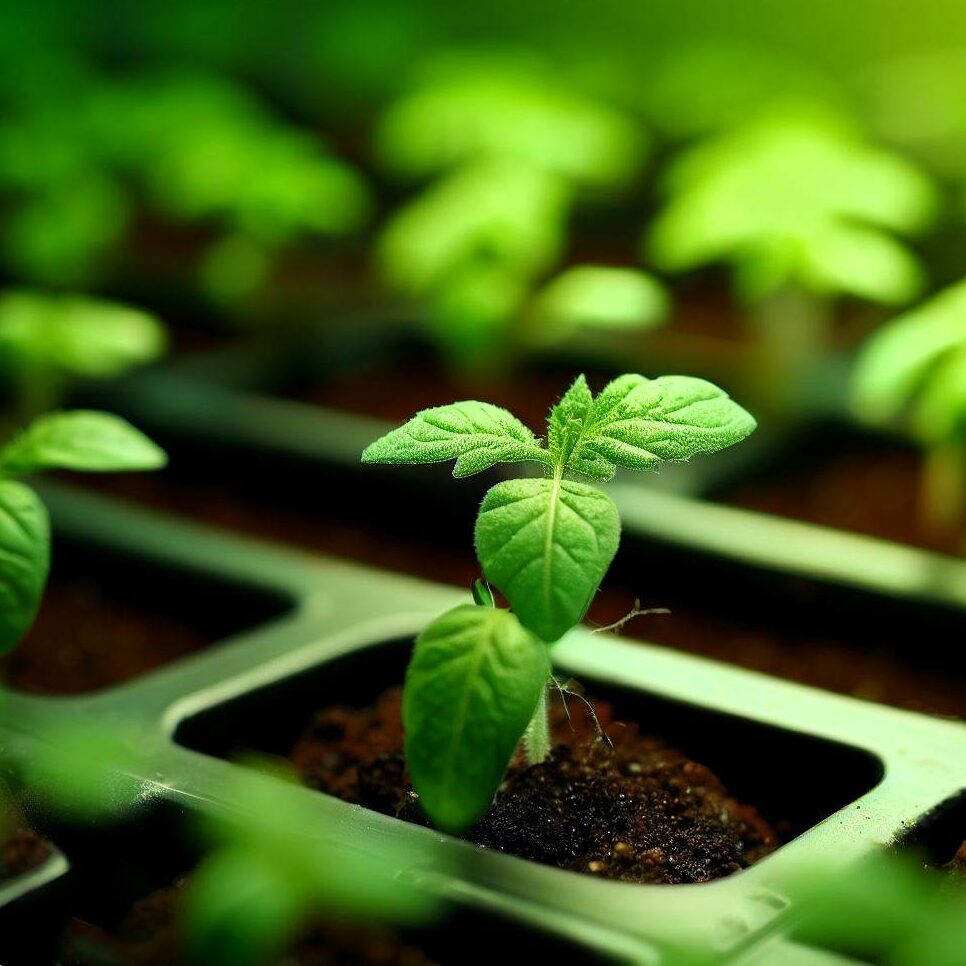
x=793, y=329
x=536, y=739
x=943, y=506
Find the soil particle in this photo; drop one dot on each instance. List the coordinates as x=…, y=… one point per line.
x=86, y=638
x=619, y=805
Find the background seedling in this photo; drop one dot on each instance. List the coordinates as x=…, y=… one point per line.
x=912, y=373
x=46, y=338
x=79, y=440
x=804, y=211
x=514, y=150
x=479, y=674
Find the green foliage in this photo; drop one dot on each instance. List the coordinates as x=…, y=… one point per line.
x=467, y=107
x=86, y=769
x=78, y=440
x=24, y=560
x=475, y=434
x=265, y=880
x=547, y=545
x=885, y=908
x=913, y=369
x=76, y=334
x=597, y=297
x=83, y=440
x=795, y=198
x=472, y=685
x=512, y=149
x=478, y=672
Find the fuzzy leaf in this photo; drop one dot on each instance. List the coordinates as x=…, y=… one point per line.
x=475, y=434
x=639, y=423
x=472, y=684
x=80, y=440
x=24, y=560
x=567, y=421
x=546, y=544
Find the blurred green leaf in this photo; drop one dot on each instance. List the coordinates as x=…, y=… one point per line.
x=597, y=297
x=24, y=560
x=911, y=370
x=81, y=335
x=82, y=440
x=795, y=198
x=496, y=212
x=86, y=769
x=470, y=107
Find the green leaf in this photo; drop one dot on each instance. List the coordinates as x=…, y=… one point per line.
x=638, y=423
x=546, y=544
x=80, y=440
x=471, y=688
x=24, y=560
x=567, y=421
x=800, y=190
x=600, y=297
x=901, y=357
x=475, y=434
x=91, y=337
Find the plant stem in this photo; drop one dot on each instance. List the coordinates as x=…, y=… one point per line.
x=536, y=739
x=793, y=329
x=943, y=502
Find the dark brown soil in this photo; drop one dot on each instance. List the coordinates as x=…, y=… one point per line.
x=87, y=637
x=749, y=637
x=150, y=935
x=21, y=851
x=873, y=490
x=619, y=805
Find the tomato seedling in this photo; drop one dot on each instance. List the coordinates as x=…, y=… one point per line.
x=479, y=674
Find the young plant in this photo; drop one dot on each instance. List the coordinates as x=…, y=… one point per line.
x=46, y=339
x=477, y=248
x=513, y=150
x=79, y=440
x=912, y=373
x=804, y=210
x=479, y=675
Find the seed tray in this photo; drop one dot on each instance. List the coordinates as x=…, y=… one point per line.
x=850, y=776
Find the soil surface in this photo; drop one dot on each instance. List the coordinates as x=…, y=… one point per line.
x=150, y=935
x=21, y=851
x=87, y=637
x=813, y=653
x=615, y=804
x=874, y=490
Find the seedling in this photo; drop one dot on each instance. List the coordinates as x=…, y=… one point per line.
x=912, y=373
x=45, y=339
x=79, y=440
x=478, y=678
x=803, y=210
x=513, y=149
x=476, y=249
